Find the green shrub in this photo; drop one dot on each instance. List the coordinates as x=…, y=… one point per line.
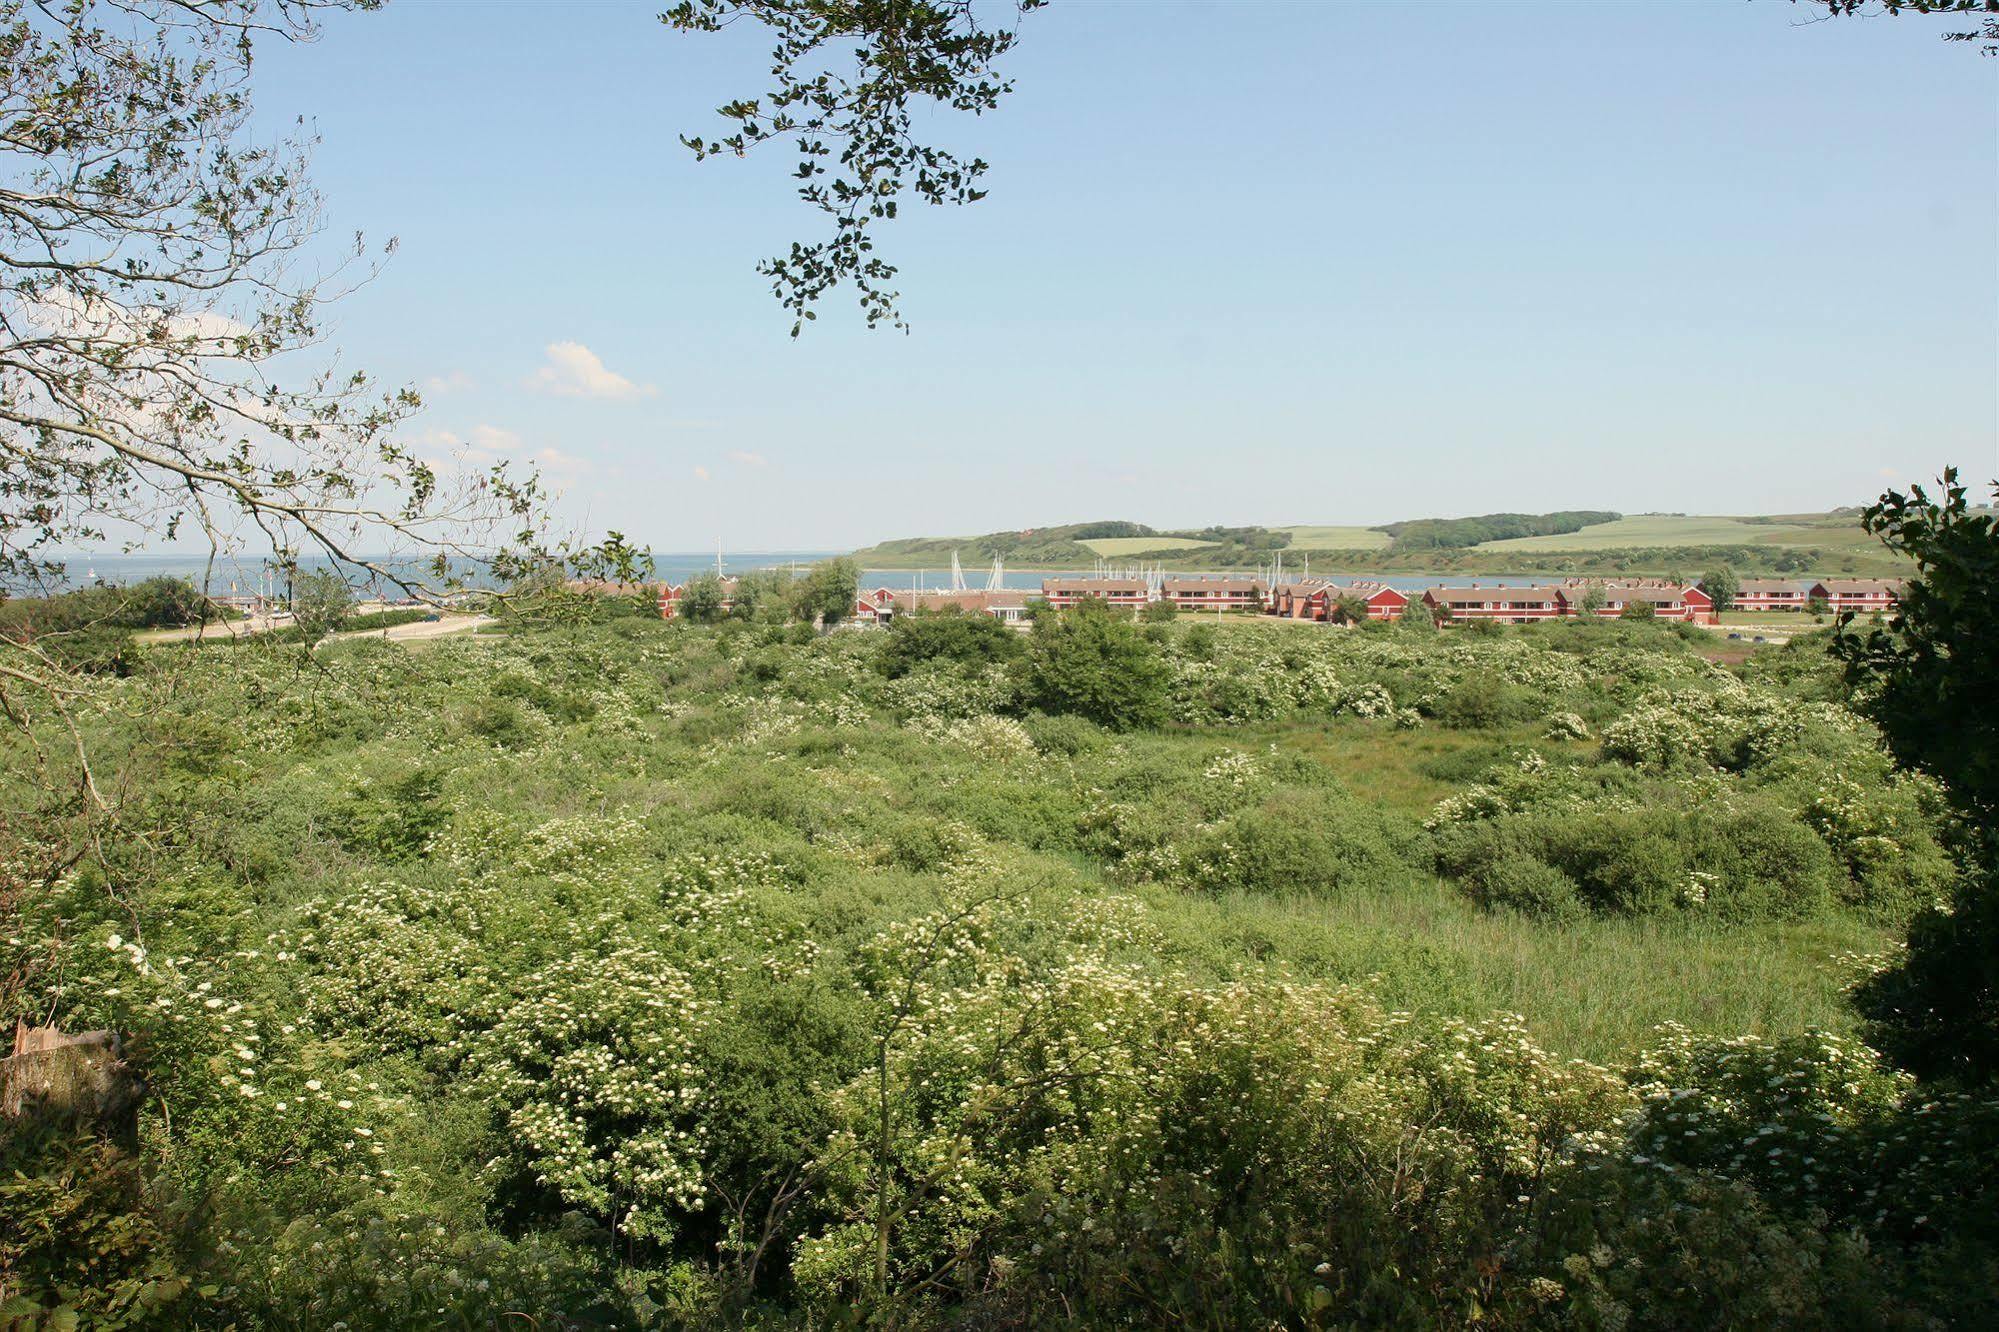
x=948, y=635
x=1523, y=883
x=1299, y=846
x=395, y=819
x=1067, y=736
x=1753, y=863
x=1483, y=703
x=1094, y=663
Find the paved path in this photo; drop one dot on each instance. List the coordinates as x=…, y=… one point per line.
x=217, y=629
x=418, y=630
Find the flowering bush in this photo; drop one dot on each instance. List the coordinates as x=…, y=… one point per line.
x=591, y=1070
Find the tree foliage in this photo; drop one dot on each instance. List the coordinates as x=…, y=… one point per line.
x=826, y=594
x=321, y=602
x=1092, y=661
x=1928, y=679
x=859, y=155
x=948, y=635
x=164, y=287
x=1721, y=583
x=1349, y=609
x=1637, y=608
x=702, y=598
x=1984, y=12
x=1453, y=533
x=1929, y=676
x=162, y=295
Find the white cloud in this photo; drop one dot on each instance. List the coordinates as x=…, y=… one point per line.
x=556, y=461
x=574, y=371
x=487, y=445
x=455, y=382
x=701, y=473
x=748, y=459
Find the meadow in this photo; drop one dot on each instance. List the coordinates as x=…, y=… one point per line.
x=1673, y=529
x=611, y=972
x=1310, y=537
x=1116, y=547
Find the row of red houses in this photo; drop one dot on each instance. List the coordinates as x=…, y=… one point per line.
x=1322, y=599
x=1838, y=594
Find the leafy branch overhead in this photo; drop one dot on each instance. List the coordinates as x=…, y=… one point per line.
x=847, y=74
x=1985, y=12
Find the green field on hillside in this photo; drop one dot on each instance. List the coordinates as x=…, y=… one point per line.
x=1116, y=547
x=1676, y=529
x=1305, y=536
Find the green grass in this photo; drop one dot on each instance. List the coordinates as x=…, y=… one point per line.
x=1309, y=537
x=1113, y=547
x=1795, y=621
x=1669, y=529
x=1595, y=989
x=1829, y=533
x=1663, y=529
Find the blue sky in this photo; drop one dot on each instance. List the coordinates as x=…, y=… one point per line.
x=1278, y=264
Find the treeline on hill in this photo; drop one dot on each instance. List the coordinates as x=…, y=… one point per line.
x=92, y=627
x=1457, y=533
x=616, y=972
x=1062, y=548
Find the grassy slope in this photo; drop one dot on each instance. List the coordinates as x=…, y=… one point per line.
x=1309, y=537
x=1117, y=547
x=1661, y=529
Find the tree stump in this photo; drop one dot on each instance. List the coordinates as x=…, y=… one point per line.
x=80, y=1080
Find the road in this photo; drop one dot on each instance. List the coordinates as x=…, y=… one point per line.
x=255, y=624
x=419, y=630
x=415, y=631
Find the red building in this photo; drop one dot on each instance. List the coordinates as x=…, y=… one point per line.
x=1772, y=594
x=1669, y=601
x=1299, y=601
x=1007, y=605
x=1524, y=605
x=1317, y=599
x=1860, y=595
x=1127, y=593
x=1227, y=594
x=1515, y=605
x=1382, y=602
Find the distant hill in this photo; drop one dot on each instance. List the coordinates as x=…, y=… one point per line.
x=1461, y=533
x=1573, y=541
x=1076, y=545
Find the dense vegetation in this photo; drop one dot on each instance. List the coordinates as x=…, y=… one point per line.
x=1457, y=533
x=640, y=974
x=92, y=627
x=1928, y=678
